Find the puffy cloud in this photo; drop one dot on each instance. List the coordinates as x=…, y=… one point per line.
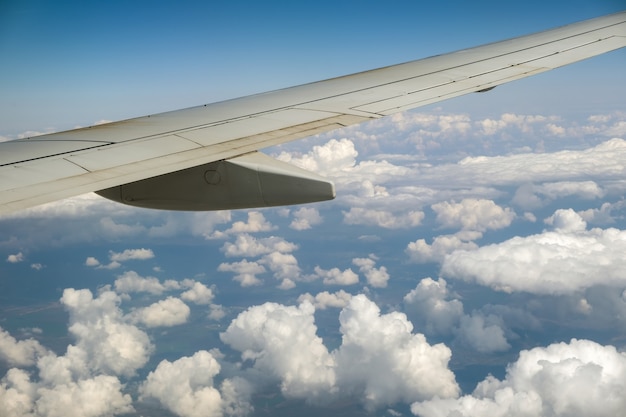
x=603, y=215
x=601, y=161
x=107, y=343
x=566, y=221
x=421, y=252
x=434, y=312
x=376, y=277
x=433, y=308
x=305, y=218
x=93, y=397
x=117, y=257
x=285, y=268
x=281, y=341
x=325, y=299
x=67, y=385
x=473, y=214
x=484, y=333
x=19, y=353
x=588, y=190
x=530, y=196
x=185, y=386
x=579, y=378
x=128, y=254
x=562, y=261
x=381, y=360
x=335, y=155
x=198, y=294
x=216, y=312
x=256, y=223
x=335, y=276
x=382, y=218
x=16, y=258
x=169, y=312
x=247, y=245
x=130, y=282
x=245, y=271
x=17, y=393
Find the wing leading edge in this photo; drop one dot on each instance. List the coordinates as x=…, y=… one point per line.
x=50, y=167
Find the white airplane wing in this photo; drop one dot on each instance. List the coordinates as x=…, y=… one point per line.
x=205, y=157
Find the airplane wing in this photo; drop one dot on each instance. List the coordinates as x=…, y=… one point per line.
x=205, y=157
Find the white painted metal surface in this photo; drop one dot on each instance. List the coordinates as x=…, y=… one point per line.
x=50, y=167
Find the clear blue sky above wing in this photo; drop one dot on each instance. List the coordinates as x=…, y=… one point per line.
x=55, y=166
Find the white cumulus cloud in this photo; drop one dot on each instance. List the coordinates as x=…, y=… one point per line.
x=130, y=254
x=305, y=218
x=19, y=353
x=560, y=261
x=325, y=299
x=16, y=258
x=164, y=313
x=376, y=277
x=576, y=379
x=186, y=388
x=473, y=214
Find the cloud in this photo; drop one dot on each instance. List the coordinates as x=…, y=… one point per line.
x=285, y=268
x=529, y=196
x=324, y=299
x=372, y=363
x=335, y=276
x=19, y=353
x=281, y=342
x=483, y=333
x=601, y=161
x=131, y=254
x=93, y=397
x=246, y=245
x=83, y=381
x=16, y=258
x=164, y=313
x=305, y=218
x=580, y=378
x=256, y=223
x=603, y=215
x=108, y=344
x=431, y=309
x=382, y=218
x=117, y=257
x=186, y=388
x=245, y=272
x=376, y=277
x=562, y=261
x=131, y=281
x=421, y=252
x=473, y=214
x=384, y=362
x=437, y=311
x=335, y=155
x=566, y=221
x=91, y=261
x=198, y=293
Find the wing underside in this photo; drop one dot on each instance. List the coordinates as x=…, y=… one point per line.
x=55, y=166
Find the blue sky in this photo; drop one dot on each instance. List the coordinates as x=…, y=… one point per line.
x=474, y=254
x=74, y=63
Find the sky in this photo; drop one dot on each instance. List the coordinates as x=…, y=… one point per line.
x=471, y=264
